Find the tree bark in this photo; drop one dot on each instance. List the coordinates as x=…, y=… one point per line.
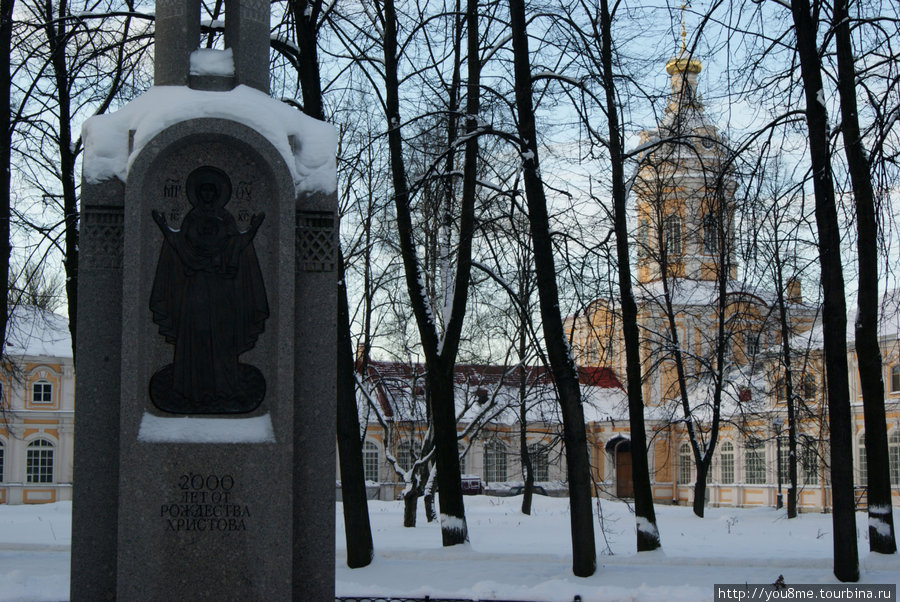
x=846, y=557
x=584, y=558
x=357, y=528
x=645, y=514
x=868, y=352
x=410, y=505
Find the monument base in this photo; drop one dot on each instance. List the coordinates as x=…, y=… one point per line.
x=248, y=394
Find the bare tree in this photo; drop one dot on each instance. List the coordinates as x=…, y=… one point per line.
x=645, y=515
x=6, y=26
x=73, y=62
x=881, y=517
x=584, y=559
x=440, y=348
x=846, y=558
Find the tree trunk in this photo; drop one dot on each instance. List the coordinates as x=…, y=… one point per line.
x=868, y=352
x=645, y=514
x=449, y=482
x=584, y=557
x=834, y=314
x=430, y=512
x=357, y=528
x=57, y=36
x=528, y=493
x=305, y=14
x=788, y=376
x=700, y=487
x=410, y=504
x=6, y=12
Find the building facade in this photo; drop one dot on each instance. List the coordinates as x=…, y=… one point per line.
x=713, y=346
x=713, y=351
x=37, y=393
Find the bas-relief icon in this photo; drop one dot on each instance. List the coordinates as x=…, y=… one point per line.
x=209, y=301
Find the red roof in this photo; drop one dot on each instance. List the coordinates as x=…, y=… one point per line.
x=397, y=375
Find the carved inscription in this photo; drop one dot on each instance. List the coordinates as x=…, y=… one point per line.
x=204, y=502
x=172, y=188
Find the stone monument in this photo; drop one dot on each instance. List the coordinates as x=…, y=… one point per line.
x=205, y=408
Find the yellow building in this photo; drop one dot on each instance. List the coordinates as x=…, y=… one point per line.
x=711, y=342
x=37, y=392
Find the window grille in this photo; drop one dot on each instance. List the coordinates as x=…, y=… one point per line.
x=754, y=462
x=370, y=461
x=894, y=457
x=710, y=235
x=540, y=462
x=684, y=464
x=407, y=454
x=862, y=468
x=809, y=463
x=809, y=387
x=673, y=235
x=494, y=462
x=39, y=462
x=42, y=392
x=726, y=463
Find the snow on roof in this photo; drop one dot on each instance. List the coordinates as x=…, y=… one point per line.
x=685, y=291
x=493, y=391
x=311, y=162
x=38, y=333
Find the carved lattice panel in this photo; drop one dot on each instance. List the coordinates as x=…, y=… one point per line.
x=102, y=238
x=315, y=248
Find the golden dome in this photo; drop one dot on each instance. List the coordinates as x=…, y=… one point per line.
x=683, y=64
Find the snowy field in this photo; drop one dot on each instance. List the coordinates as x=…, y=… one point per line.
x=512, y=556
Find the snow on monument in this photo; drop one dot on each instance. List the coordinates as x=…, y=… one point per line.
x=205, y=400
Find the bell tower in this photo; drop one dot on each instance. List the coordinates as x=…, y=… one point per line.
x=683, y=191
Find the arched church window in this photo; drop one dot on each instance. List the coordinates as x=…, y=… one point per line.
x=39, y=462
x=710, y=235
x=673, y=235
x=643, y=238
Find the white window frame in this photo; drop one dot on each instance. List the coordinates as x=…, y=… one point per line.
x=540, y=461
x=674, y=231
x=495, y=462
x=754, y=462
x=894, y=457
x=45, y=396
x=39, y=461
x=862, y=469
x=685, y=464
x=371, y=461
x=726, y=463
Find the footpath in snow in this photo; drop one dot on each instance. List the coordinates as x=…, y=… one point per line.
x=514, y=557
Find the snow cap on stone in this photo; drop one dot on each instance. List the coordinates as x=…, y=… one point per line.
x=311, y=159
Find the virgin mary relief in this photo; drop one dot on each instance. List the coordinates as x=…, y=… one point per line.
x=209, y=301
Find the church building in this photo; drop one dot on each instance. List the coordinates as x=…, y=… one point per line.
x=711, y=342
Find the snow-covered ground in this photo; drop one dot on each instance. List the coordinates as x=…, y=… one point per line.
x=512, y=556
